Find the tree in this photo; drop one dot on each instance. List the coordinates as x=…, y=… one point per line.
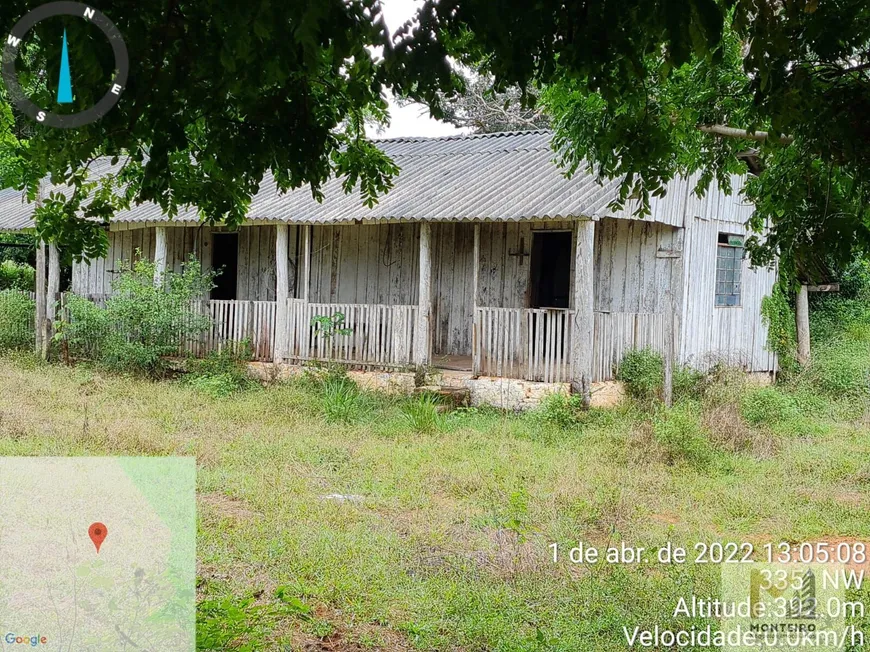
x=219, y=94
x=646, y=89
x=483, y=110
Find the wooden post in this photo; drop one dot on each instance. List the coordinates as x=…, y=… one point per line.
x=159, y=255
x=306, y=262
x=802, y=317
x=282, y=290
x=53, y=291
x=670, y=319
x=41, y=348
x=475, y=285
x=423, y=336
x=582, y=337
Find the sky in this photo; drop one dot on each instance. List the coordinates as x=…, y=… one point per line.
x=414, y=119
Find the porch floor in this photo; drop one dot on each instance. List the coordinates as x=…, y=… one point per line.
x=452, y=362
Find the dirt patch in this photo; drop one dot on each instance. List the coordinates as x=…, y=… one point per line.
x=667, y=518
x=227, y=507
x=354, y=637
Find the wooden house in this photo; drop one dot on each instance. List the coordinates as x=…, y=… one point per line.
x=484, y=257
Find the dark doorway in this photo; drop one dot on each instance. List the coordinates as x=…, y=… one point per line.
x=225, y=259
x=551, y=269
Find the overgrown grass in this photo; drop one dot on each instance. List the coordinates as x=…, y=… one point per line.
x=330, y=517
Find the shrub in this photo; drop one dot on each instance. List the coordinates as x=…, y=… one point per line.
x=221, y=373
x=17, y=319
x=679, y=431
x=767, y=405
x=17, y=276
x=839, y=368
x=642, y=371
x=141, y=323
x=422, y=413
x=689, y=384
x=215, y=385
x=342, y=400
x=778, y=316
x=559, y=410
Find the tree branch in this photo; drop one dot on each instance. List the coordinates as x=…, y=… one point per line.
x=735, y=132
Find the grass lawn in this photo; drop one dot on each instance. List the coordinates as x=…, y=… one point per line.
x=352, y=531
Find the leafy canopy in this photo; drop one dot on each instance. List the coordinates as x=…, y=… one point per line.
x=220, y=93
x=633, y=85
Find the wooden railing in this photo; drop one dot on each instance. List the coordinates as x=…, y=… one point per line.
x=236, y=321
x=376, y=335
x=534, y=344
x=616, y=333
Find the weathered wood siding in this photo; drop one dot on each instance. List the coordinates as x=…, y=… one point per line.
x=504, y=279
x=256, y=263
x=735, y=335
x=631, y=273
x=368, y=263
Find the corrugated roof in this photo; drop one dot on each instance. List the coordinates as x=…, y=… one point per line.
x=508, y=176
x=15, y=213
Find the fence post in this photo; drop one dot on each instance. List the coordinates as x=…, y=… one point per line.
x=581, y=338
x=40, y=342
x=159, y=254
x=475, y=322
x=282, y=291
x=423, y=339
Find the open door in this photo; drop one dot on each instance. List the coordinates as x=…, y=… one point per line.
x=550, y=269
x=225, y=259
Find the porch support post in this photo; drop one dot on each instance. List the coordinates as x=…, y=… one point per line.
x=306, y=262
x=40, y=344
x=475, y=288
x=282, y=290
x=581, y=338
x=423, y=336
x=53, y=289
x=159, y=254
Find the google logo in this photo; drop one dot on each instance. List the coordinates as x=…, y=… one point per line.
x=33, y=641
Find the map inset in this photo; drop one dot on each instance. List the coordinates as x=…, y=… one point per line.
x=59, y=590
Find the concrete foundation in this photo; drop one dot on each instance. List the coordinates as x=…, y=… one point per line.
x=504, y=393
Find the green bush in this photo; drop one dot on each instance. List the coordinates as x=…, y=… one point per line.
x=839, y=368
x=767, y=405
x=689, y=384
x=642, y=371
x=421, y=413
x=559, y=410
x=17, y=319
x=678, y=430
x=342, y=401
x=778, y=316
x=17, y=276
x=141, y=323
x=221, y=373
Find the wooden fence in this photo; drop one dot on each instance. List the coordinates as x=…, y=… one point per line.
x=237, y=321
x=534, y=344
x=377, y=335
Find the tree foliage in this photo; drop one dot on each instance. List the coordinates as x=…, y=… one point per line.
x=633, y=83
x=222, y=93
x=219, y=94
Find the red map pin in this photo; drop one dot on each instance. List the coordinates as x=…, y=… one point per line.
x=97, y=532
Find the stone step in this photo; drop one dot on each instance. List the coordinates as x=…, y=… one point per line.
x=452, y=396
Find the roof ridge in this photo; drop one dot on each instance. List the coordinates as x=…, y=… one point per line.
x=493, y=134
